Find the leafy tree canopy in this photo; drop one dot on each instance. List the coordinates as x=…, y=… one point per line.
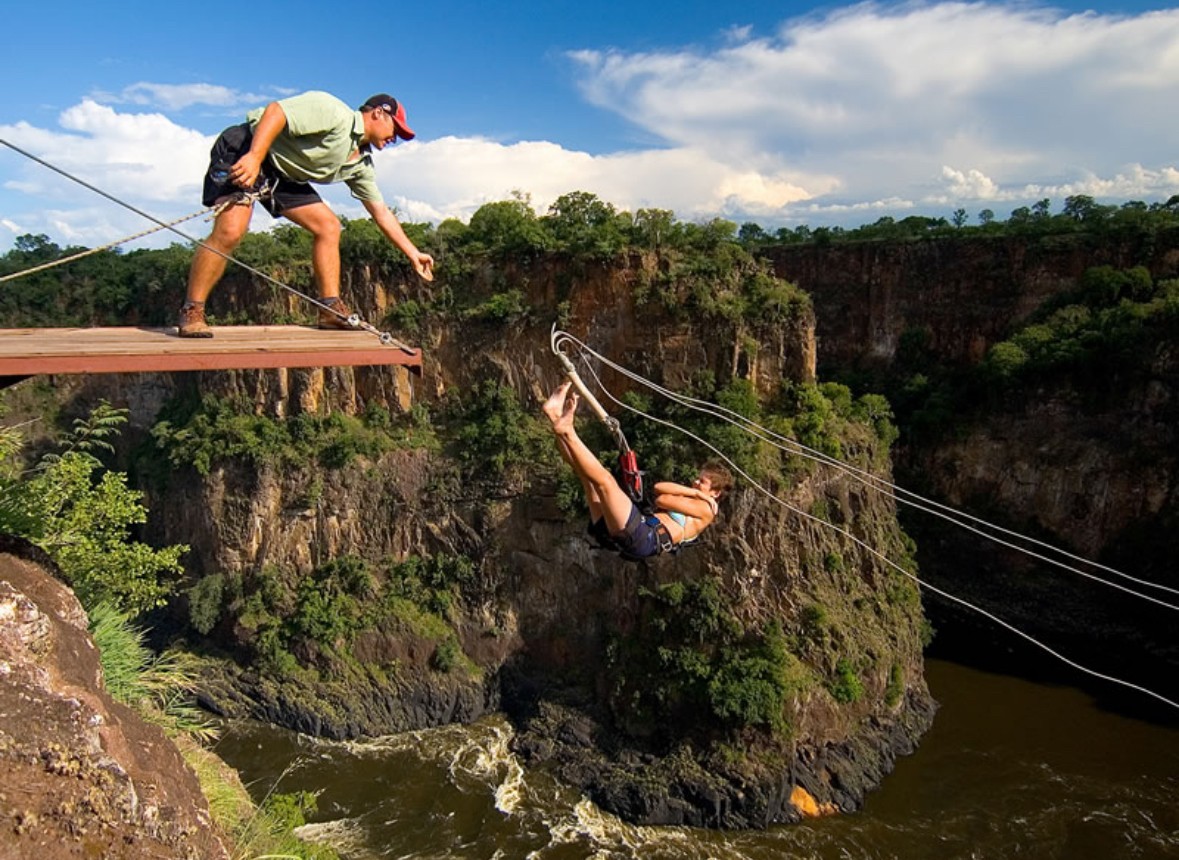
x=82, y=515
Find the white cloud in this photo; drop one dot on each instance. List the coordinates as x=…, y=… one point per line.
x=881, y=98
x=142, y=157
x=174, y=97
x=970, y=185
x=457, y=175
x=144, y=160
x=835, y=118
x=1134, y=182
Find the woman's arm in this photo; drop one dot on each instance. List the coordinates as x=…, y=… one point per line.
x=671, y=496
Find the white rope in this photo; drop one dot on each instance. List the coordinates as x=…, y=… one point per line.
x=1093, y=673
x=891, y=490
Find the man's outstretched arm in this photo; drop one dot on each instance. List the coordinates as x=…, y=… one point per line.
x=395, y=233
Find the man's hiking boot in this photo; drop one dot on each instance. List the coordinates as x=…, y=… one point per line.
x=335, y=318
x=192, y=321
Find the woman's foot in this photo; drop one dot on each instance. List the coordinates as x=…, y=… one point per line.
x=561, y=407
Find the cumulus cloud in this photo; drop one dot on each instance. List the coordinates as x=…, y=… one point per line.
x=969, y=185
x=141, y=156
x=145, y=160
x=882, y=98
x=457, y=175
x=176, y=97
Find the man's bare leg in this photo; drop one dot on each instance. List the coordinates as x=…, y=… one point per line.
x=207, y=265
x=321, y=222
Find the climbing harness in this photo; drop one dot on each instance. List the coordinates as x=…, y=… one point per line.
x=568, y=342
x=242, y=198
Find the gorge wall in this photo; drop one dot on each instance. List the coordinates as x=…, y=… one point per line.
x=964, y=294
x=546, y=623
x=1085, y=461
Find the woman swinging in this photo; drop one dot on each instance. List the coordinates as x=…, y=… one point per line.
x=681, y=513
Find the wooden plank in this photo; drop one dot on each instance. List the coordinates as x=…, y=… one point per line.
x=26, y=352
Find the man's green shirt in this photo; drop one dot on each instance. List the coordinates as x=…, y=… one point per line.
x=318, y=144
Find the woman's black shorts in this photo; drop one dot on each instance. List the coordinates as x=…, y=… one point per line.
x=640, y=539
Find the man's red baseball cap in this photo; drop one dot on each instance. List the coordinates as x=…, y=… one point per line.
x=396, y=109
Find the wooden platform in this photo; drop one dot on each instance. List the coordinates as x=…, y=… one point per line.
x=28, y=352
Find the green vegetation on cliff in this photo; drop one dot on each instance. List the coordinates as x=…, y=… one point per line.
x=202, y=431
x=299, y=624
x=1110, y=323
x=692, y=667
x=823, y=417
x=1080, y=214
x=712, y=263
x=1099, y=338
x=82, y=514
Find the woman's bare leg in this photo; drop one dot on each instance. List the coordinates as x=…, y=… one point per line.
x=591, y=494
x=601, y=490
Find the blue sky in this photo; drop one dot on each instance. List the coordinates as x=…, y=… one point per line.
x=780, y=113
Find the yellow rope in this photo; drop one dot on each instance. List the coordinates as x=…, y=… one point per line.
x=106, y=247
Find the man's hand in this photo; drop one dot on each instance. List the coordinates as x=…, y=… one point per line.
x=423, y=264
x=244, y=172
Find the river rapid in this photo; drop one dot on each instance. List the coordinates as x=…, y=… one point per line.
x=1012, y=768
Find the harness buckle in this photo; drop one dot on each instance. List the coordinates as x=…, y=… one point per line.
x=663, y=536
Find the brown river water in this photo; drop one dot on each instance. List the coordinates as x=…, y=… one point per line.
x=1012, y=768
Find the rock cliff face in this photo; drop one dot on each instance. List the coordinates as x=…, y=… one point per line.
x=962, y=294
x=547, y=616
x=1087, y=464
x=83, y=775
x=1095, y=475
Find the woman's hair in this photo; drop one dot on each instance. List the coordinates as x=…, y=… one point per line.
x=719, y=478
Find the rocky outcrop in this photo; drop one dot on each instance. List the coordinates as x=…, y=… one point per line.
x=352, y=706
x=83, y=775
x=771, y=564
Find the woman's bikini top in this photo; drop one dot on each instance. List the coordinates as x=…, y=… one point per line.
x=682, y=519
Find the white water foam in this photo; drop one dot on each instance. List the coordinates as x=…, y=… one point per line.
x=344, y=835
x=486, y=758
x=610, y=837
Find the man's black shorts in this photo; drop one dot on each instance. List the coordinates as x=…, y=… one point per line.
x=231, y=145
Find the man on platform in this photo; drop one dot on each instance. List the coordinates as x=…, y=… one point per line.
x=283, y=148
